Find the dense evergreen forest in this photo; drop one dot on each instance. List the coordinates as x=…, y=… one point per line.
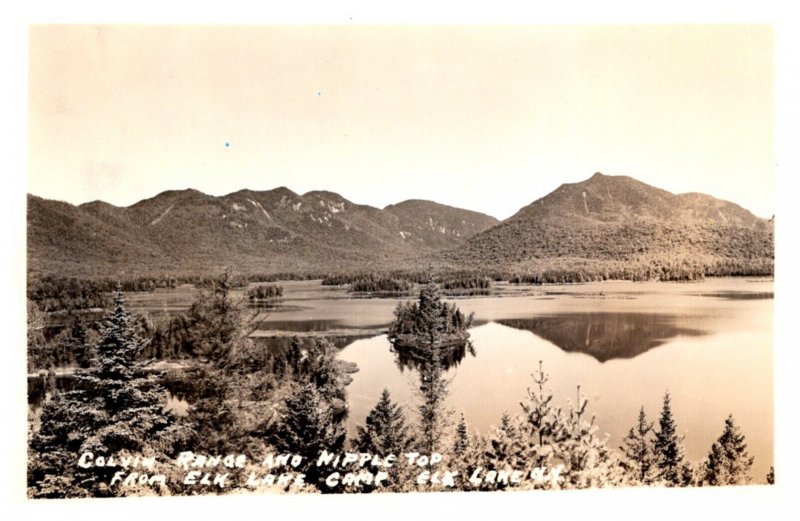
x=52, y=293
x=428, y=322
x=264, y=292
x=254, y=403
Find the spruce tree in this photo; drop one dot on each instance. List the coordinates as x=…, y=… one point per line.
x=115, y=410
x=504, y=448
x=638, y=452
x=307, y=428
x=213, y=330
x=323, y=369
x=503, y=445
x=215, y=429
x=430, y=311
x=77, y=345
x=541, y=429
x=672, y=468
x=461, y=444
x=214, y=323
x=507, y=425
x=466, y=455
x=728, y=463
x=543, y=420
x=587, y=459
x=385, y=431
x=433, y=411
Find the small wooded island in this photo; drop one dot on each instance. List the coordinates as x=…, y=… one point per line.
x=429, y=323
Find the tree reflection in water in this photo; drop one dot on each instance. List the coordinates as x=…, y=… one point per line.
x=417, y=357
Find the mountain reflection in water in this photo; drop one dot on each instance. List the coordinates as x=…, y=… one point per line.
x=604, y=336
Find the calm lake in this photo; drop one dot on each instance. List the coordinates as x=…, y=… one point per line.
x=624, y=343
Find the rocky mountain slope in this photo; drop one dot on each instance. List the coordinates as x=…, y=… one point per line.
x=266, y=231
x=618, y=220
x=605, y=225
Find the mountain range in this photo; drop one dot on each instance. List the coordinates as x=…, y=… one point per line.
x=604, y=219
x=260, y=232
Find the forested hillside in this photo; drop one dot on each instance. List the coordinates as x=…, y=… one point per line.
x=610, y=224
x=182, y=232
x=604, y=227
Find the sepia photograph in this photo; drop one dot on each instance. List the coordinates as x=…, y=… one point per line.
x=399, y=259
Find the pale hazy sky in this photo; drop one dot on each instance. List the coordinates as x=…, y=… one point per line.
x=485, y=118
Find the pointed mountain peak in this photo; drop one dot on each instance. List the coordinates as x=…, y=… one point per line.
x=601, y=178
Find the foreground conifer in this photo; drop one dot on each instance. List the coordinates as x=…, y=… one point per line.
x=729, y=463
x=118, y=409
x=638, y=452
x=672, y=468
